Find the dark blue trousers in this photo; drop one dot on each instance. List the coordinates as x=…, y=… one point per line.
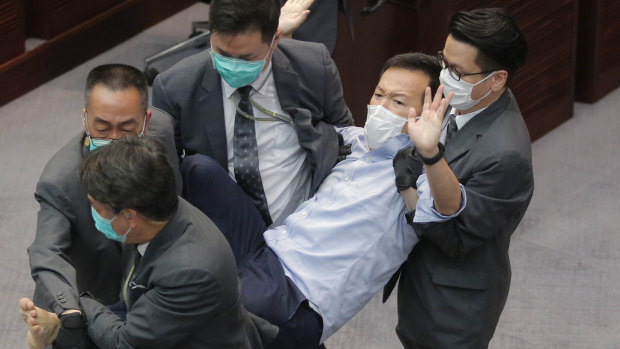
x=265, y=289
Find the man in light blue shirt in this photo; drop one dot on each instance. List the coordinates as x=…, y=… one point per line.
x=341, y=246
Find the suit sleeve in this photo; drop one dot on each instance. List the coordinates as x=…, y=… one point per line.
x=336, y=111
x=162, y=127
x=179, y=304
x=497, y=195
x=162, y=101
x=53, y=274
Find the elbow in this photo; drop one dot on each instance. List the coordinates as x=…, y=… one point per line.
x=449, y=208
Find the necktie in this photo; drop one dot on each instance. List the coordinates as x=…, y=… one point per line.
x=452, y=128
x=246, y=155
x=136, y=260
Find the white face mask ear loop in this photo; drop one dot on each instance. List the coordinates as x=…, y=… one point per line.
x=490, y=90
x=85, y=122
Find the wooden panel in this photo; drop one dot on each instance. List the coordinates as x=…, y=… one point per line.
x=377, y=37
x=12, y=34
x=598, y=66
x=545, y=83
x=48, y=18
x=77, y=45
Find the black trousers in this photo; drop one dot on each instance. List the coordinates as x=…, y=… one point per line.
x=265, y=289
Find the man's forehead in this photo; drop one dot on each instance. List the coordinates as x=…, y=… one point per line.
x=400, y=81
x=117, y=106
x=458, y=53
x=243, y=42
x=115, y=119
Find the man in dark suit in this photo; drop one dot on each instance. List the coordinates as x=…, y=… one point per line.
x=289, y=90
x=455, y=283
x=68, y=255
x=180, y=280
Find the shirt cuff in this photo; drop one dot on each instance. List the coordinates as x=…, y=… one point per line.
x=425, y=209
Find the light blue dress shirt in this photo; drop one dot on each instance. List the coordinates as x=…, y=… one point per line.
x=341, y=246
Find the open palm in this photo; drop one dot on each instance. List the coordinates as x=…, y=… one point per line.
x=293, y=14
x=425, y=130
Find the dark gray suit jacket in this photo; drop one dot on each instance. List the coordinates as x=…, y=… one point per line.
x=69, y=255
x=455, y=283
x=308, y=87
x=182, y=294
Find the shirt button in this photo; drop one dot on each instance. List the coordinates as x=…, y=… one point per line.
x=329, y=202
x=346, y=178
x=367, y=159
x=284, y=232
x=59, y=293
x=304, y=213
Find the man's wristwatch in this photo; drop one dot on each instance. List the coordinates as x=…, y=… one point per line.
x=434, y=159
x=72, y=320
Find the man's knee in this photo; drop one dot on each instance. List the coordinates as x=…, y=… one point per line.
x=199, y=166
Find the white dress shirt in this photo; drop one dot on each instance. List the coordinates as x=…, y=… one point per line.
x=341, y=246
x=283, y=164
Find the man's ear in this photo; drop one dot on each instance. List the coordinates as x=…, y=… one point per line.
x=148, y=119
x=280, y=34
x=499, y=80
x=276, y=38
x=84, y=118
x=132, y=217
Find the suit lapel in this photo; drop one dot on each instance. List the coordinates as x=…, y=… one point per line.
x=162, y=241
x=168, y=235
x=210, y=103
x=287, y=83
x=469, y=134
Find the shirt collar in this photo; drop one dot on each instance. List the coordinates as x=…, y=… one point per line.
x=256, y=85
x=142, y=248
x=462, y=119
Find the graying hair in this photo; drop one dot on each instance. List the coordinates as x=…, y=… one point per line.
x=117, y=77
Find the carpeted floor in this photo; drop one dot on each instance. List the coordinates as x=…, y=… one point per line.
x=565, y=255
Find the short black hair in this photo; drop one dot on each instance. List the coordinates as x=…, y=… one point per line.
x=117, y=77
x=495, y=34
x=416, y=61
x=133, y=173
x=240, y=16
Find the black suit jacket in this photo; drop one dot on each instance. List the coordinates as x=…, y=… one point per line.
x=182, y=294
x=308, y=87
x=455, y=283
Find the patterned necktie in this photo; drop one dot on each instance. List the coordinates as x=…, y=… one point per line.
x=246, y=156
x=452, y=128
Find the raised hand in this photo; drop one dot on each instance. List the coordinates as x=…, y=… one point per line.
x=43, y=326
x=425, y=130
x=292, y=15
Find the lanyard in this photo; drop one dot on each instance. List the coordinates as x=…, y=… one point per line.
x=273, y=115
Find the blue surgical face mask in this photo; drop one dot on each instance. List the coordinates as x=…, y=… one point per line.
x=105, y=226
x=100, y=142
x=238, y=72
x=96, y=143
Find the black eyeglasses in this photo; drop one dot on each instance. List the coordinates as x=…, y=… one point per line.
x=454, y=74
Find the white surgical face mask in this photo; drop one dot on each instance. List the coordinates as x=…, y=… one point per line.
x=461, y=99
x=381, y=125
